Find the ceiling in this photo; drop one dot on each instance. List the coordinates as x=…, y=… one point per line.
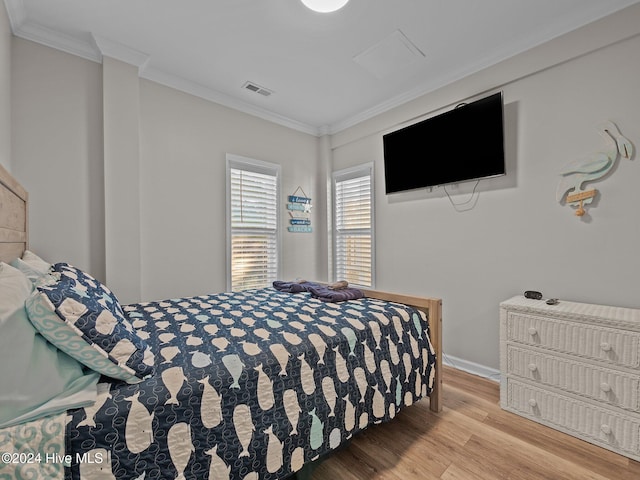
x=325, y=72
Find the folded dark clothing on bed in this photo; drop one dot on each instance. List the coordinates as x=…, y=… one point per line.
x=326, y=294
x=294, y=287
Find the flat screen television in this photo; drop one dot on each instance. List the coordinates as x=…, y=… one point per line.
x=465, y=143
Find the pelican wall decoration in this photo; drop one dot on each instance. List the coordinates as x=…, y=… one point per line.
x=592, y=167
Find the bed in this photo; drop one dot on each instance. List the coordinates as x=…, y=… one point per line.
x=244, y=385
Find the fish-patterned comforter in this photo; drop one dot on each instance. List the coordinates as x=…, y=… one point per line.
x=251, y=385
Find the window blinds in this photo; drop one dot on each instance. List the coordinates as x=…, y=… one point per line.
x=254, y=222
x=353, y=228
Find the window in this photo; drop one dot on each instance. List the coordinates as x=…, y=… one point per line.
x=353, y=225
x=252, y=219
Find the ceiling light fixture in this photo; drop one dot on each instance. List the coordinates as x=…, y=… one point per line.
x=324, y=6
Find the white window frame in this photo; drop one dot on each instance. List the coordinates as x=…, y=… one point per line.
x=258, y=166
x=348, y=174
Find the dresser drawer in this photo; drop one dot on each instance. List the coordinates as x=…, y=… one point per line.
x=593, y=424
x=616, y=347
x=598, y=383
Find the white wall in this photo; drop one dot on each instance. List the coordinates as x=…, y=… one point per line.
x=184, y=141
x=517, y=237
x=5, y=89
x=57, y=152
x=121, y=112
x=58, y=145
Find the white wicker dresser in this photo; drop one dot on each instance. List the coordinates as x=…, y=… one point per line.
x=574, y=367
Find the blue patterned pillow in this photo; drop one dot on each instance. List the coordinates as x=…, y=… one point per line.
x=83, y=318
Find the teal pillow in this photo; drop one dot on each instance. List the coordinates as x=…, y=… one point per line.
x=83, y=318
x=36, y=378
x=35, y=262
x=31, y=273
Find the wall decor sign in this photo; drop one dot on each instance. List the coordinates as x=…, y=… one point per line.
x=591, y=168
x=299, y=207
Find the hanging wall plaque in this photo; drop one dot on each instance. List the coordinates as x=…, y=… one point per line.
x=299, y=207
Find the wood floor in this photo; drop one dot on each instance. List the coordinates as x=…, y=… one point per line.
x=471, y=439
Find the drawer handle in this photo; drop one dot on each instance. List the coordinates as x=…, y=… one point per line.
x=533, y=367
x=533, y=403
x=605, y=346
x=532, y=331
x=605, y=387
x=606, y=429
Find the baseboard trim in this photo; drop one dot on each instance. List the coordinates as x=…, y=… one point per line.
x=471, y=367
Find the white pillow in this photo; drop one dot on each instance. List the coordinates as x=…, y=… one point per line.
x=36, y=378
x=35, y=262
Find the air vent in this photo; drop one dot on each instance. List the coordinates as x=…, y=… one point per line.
x=254, y=87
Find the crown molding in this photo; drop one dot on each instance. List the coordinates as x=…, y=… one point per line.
x=99, y=47
x=94, y=47
x=408, y=96
x=119, y=51
x=323, y=130
x=197, y=90
x=23, y=28
x=508, y=51
x=59, y=41
x=16, y=12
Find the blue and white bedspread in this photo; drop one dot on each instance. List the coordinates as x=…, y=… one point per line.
x=251, y=385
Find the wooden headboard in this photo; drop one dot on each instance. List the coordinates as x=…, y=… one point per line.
x=13, y=217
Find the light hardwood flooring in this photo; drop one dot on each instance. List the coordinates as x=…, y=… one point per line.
x=471, y=439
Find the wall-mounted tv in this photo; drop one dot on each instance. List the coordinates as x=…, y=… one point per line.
x=465, y=143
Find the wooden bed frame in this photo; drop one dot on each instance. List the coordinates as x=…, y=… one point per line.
x=13, y=217
x=14, y=241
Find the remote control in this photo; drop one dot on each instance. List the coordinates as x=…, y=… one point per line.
x=533, y=294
